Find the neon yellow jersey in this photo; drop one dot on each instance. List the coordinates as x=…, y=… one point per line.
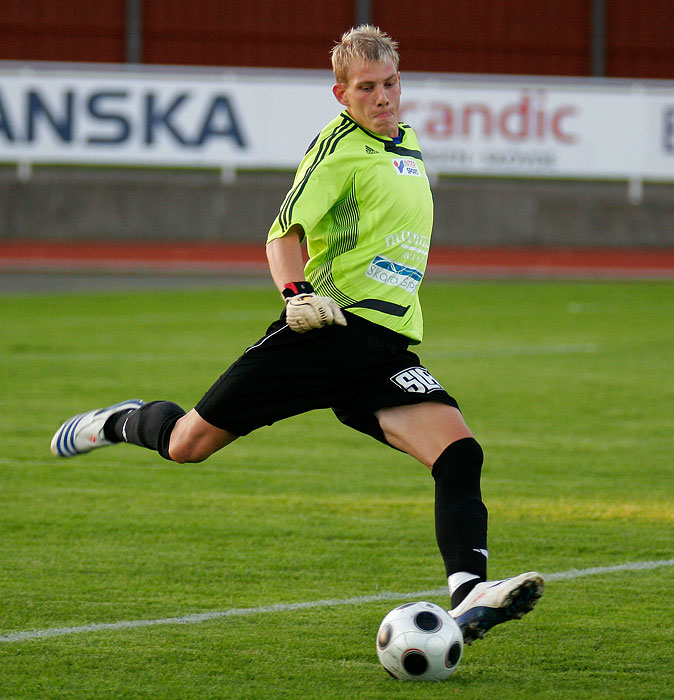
x=365, y=204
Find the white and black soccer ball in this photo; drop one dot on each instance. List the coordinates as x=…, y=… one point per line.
x=419, y=642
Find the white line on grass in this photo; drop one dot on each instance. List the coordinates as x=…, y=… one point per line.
x=285, y=607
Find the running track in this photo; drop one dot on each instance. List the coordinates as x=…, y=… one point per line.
x=219, y=258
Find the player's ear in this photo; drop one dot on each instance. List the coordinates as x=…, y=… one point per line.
x=339, y=91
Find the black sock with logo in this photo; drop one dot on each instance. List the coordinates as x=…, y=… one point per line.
x=460, y=514
x=148, y=426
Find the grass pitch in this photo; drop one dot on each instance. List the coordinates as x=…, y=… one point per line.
x=568, y=386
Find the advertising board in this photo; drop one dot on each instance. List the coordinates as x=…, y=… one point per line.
x=264, y=119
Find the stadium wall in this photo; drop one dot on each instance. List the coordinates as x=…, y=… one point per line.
x=611, y=38
x=84, y=204
x=513, y=161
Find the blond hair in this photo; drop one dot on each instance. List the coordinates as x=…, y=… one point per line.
x=366, y=44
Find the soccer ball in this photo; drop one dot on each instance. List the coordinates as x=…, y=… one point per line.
x=419, y=642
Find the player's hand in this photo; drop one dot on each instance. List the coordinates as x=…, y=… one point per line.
x=306, y=312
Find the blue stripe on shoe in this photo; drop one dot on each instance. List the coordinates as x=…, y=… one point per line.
x=66, y=441
x=70, y=435
x=59, y=442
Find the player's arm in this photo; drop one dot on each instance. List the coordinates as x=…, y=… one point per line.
x=304, y=309
x=284, y=256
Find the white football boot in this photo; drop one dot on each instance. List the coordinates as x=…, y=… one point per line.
x=84, y=432
x=493, y=602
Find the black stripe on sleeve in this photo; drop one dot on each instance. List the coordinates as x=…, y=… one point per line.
x=326, y=147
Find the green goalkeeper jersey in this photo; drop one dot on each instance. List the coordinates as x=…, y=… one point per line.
x=365, y=204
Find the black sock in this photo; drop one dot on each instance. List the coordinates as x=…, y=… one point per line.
x=112, y=430
x=148, y=426
x=460, y=514
x=462, y=591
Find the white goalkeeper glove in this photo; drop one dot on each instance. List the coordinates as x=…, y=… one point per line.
x=306, y=311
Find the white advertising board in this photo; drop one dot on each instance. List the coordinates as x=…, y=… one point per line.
x=262, y=119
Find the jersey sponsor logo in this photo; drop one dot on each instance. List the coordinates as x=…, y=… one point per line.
x=417, y=380
x=406, y=166
x=394, y=274
x=410, y=240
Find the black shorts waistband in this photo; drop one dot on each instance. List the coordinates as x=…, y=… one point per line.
x=395, y=339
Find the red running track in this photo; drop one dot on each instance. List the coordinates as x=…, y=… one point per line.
x=641, y=263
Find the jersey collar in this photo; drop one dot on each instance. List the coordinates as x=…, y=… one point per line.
x=390, y=145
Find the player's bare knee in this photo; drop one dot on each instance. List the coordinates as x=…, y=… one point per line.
x=178, y=455
x=188, y=452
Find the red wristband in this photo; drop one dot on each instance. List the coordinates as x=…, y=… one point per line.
x=292, y=289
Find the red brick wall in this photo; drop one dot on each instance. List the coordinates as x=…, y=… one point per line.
x=62, y=30
x=538, y=37
x=287, y=33
x=640, y=38
x=490, y=36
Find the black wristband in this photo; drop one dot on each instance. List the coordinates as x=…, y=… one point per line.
x=292, y=289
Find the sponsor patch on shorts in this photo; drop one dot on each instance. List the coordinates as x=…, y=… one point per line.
x=417, y=380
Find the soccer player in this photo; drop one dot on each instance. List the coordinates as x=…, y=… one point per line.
x=361, y=201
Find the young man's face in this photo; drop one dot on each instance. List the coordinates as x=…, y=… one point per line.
x=372, y=96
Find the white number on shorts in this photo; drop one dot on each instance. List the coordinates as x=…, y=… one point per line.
x=417, y=380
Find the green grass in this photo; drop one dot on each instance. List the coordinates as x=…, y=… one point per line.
x=568, y=386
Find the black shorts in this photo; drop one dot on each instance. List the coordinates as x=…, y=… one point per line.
x=354, y=370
